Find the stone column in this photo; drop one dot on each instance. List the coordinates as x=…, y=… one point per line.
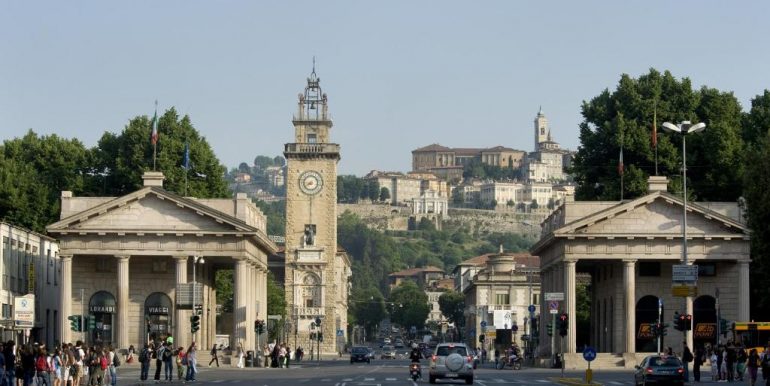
x=239, y=303
x=629, y=285
x=181, y=322
x=744, y=304
x=569, y=306
x=123, y=303
x=65, y=298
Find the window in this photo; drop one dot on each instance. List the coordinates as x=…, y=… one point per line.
x=502, y=299
x=311, y=138
x=649, y=268
x=707, y=269
x=535, y=297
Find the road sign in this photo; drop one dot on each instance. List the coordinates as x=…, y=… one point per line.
x=553, y=307
x=684, y=290
x=340, y=333
x=559, y=296
x=24, y=311
x=589, y=354
x=683, y=273
x=483, y=323
x=473, y=332
x=531, y=308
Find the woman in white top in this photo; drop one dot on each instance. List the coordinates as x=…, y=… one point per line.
x=240, y=356
x=113, y=371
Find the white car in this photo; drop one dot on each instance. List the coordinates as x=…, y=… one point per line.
x=451, y=361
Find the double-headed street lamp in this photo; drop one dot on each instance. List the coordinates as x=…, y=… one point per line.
x=684, y=128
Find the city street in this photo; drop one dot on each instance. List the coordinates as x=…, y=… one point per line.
x=379, y=372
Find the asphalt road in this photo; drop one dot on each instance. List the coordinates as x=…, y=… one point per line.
x=377, y=373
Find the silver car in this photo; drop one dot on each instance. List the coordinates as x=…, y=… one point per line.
x=451, y=361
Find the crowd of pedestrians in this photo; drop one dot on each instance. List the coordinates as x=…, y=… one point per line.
x=727, y=363
x=65, y=365
x=166, y=357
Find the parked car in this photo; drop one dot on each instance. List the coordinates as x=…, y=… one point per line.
x=388, y=352
x=657, y=369
x=399, y=343
x=451, y=361
x=359, y=354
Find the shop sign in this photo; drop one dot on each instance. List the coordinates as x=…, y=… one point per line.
x=157, y=310
x=704, y=331
x=645, y=331
x=102, y=309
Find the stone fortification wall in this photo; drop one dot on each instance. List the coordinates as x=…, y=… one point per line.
x=386, y=217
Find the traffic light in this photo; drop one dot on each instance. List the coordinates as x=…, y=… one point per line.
x=723, y=327
x=91, y=322
x=662, y=329
x=259, y=326
x=563, y=324
x=678, y=321
x=549, y=329
x=195, y=323
x=312, y=335
x=75, y=322
x=688, y=322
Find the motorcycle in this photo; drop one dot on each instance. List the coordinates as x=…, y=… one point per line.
x=415, y=372
x=515, y=362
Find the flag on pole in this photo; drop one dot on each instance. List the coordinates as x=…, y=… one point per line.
x=186, y=159
x=620, y=162
x=154, y=135
x=655, y=126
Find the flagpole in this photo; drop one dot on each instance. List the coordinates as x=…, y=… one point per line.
x=155, y=133
x=655, y=133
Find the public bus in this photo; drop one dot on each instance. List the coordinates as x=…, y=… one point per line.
x=752, y=334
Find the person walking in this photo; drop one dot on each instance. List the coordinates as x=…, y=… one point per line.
x=10, y=363
x=42, y=368
x=266, y=355
x=214, y=357
x=687, y=357
x=144, y=361
x=191, y=362
x=168, y=362
x=181, y=364
x=752, y=364
x=697, y=363
x=158, y=355
x=114, y=362
x=56, y=365
x=240, y=356
x=3, y=380
x=740, y=363
x=288, y=355
x=731, y=359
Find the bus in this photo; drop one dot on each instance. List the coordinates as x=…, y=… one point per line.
x=752, y=334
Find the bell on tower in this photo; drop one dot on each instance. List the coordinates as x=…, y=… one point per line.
x=312, y=121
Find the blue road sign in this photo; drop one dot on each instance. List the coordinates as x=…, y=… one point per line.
x=531, y=308
x=589, y=354
x=473, y=332
x=340, y=333
x=483, y=323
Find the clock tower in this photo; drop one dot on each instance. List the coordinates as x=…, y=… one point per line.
x=316, y=274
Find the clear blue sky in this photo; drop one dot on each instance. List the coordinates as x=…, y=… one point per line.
x=399, y=74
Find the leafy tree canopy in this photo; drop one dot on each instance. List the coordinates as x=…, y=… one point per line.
x=409, y=305
x=452, y=305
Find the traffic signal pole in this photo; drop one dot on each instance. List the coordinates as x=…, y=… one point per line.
x=553, y=340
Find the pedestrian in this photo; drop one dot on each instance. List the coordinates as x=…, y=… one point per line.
x=731, y=359
x=714, y=366
x=752, y=364
x=282, y=356
x=181, y=364
x=158, y=355
x=288, y=356
x=42, y=368
x=28, y=365
x=697, y=363
x=191, y=362
x=3, y=379
x=239, y=352
x=687, y=357
x=80, y=365
x=56, y=365
x=114, y=361
x=10, y=363
x=740, y=363
x=168, y=362
x=266, y=355
x=130, y=354
x=144, y=361
x=214, y=357
x=68, y=365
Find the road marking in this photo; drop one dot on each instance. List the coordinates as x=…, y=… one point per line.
x=390, y=379
x=218, y=381
x=543, y=381
x=368, y=379
x=347, y=380
x=326, y=380
x=616, y=383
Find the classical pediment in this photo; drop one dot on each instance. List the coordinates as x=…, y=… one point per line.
x=151, y=210
x=654, y=215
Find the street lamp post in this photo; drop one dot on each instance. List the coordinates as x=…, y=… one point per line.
x=684, y=128
x=196, y=260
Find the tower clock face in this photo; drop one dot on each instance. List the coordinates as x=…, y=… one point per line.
x=310, y=182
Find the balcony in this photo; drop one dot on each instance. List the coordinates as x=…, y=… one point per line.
x=312, y=150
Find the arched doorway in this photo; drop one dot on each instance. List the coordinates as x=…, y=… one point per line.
x=646, y=314
x=101, y=307
x=157, y=316
x=704, y=324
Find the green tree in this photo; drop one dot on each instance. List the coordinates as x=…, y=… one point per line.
x=625, y=117
x=384, y=194
x=126, y=156
x=276, y=216
x=410, y=305
x=262, y=162
x=224, y=285
x=368, y=306
x=757, y=196
x=276, y=298
x=452, y=305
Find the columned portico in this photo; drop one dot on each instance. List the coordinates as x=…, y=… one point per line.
x=629, y=286
x=240, y=295
x=123, y=303
x=65, y=298
x=570, y=306
x=181, y=322
x=744, y=295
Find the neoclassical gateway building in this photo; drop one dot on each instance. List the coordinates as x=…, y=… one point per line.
x=128, y=260
x=628, y=249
